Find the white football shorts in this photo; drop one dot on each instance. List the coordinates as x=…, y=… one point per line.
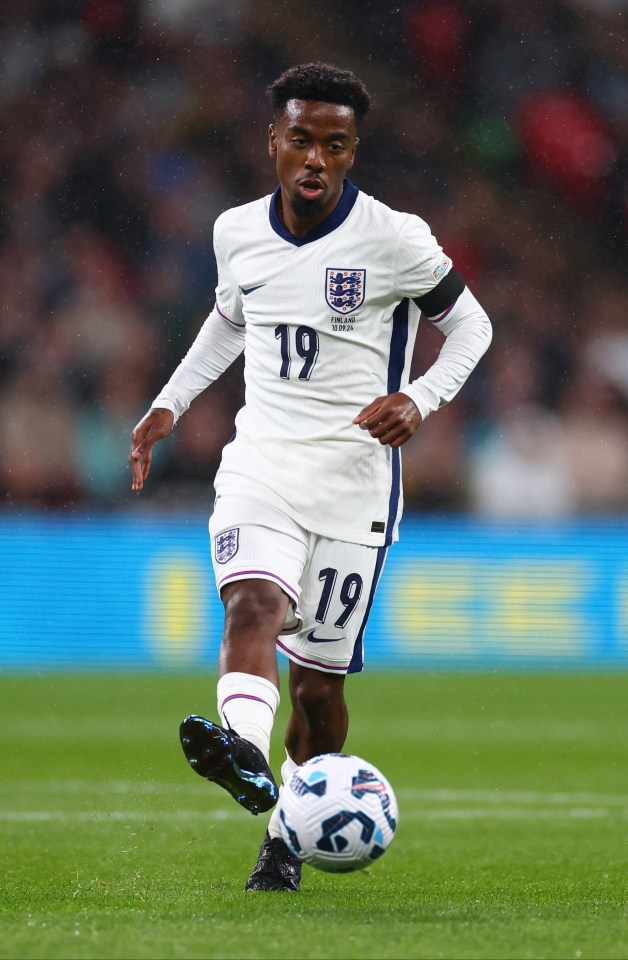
x=330, y=583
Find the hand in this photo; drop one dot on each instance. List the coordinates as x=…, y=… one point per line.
x=391, y=420
x=156, y=425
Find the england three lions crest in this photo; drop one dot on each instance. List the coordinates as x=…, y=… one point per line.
x=226, y=544
x=344, y=289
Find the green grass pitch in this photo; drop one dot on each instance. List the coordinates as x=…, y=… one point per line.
x=513, y=795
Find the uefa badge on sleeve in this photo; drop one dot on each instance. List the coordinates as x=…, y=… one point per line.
x=344, y=289
x=226, y=544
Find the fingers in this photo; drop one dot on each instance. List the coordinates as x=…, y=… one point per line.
x=157, y=424
x=140, y=459
x=369, y=414
x=136, y=471
x=392, y=420
x=142, y=442
x=391, y=433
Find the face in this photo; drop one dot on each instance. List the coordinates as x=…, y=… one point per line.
x=314, y=146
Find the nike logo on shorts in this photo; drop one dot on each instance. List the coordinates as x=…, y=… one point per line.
x=314, y=639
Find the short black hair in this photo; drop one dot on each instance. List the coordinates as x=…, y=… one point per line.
x=319, y=81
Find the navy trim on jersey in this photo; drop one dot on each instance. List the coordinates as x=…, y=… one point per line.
x=338, y=216
x=357, y=659
x=396, y=363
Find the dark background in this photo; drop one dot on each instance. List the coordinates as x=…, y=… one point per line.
x=126, y=128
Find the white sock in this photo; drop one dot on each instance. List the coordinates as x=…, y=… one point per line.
x=248, y=704
x=287, y=769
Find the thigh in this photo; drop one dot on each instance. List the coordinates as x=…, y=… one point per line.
x=337, y=590
x=251, y=540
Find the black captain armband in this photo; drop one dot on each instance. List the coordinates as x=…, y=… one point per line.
x=441, y=297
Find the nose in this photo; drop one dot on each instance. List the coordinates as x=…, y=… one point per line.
x=315, y=159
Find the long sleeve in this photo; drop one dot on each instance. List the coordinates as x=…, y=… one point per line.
x=217, y=345
x=468, y=334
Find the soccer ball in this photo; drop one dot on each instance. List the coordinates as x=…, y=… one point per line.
x=338, y=813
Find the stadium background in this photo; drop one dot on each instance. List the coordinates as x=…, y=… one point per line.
x=127, y=128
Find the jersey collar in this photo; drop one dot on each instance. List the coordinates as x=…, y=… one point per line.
x=338, y=216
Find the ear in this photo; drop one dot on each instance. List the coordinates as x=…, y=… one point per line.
x=355, y=148
x=272, y=140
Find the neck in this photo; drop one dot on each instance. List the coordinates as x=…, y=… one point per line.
x=299, y=225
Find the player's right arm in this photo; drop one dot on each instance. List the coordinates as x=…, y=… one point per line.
x=220, y=341
x=217, y=345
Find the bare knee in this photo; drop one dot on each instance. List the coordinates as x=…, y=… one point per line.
x=253, y=607
x=255, y=611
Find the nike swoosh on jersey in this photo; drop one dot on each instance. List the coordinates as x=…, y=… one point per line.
x=314, y=639
x=251, y=289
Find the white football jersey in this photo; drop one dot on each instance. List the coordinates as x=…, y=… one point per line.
x=329, y=323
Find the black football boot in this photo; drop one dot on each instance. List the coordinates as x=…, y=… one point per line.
x=276, y=868
x=230, y=761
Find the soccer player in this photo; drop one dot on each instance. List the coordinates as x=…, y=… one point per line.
x=322, y=287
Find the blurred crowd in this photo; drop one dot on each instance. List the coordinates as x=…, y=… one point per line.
x=127, y=127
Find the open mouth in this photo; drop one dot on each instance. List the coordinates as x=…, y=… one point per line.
x=311, y=188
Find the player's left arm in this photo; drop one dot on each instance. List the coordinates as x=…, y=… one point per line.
x=393, y=419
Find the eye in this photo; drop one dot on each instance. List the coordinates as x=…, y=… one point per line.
x=298, y=141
